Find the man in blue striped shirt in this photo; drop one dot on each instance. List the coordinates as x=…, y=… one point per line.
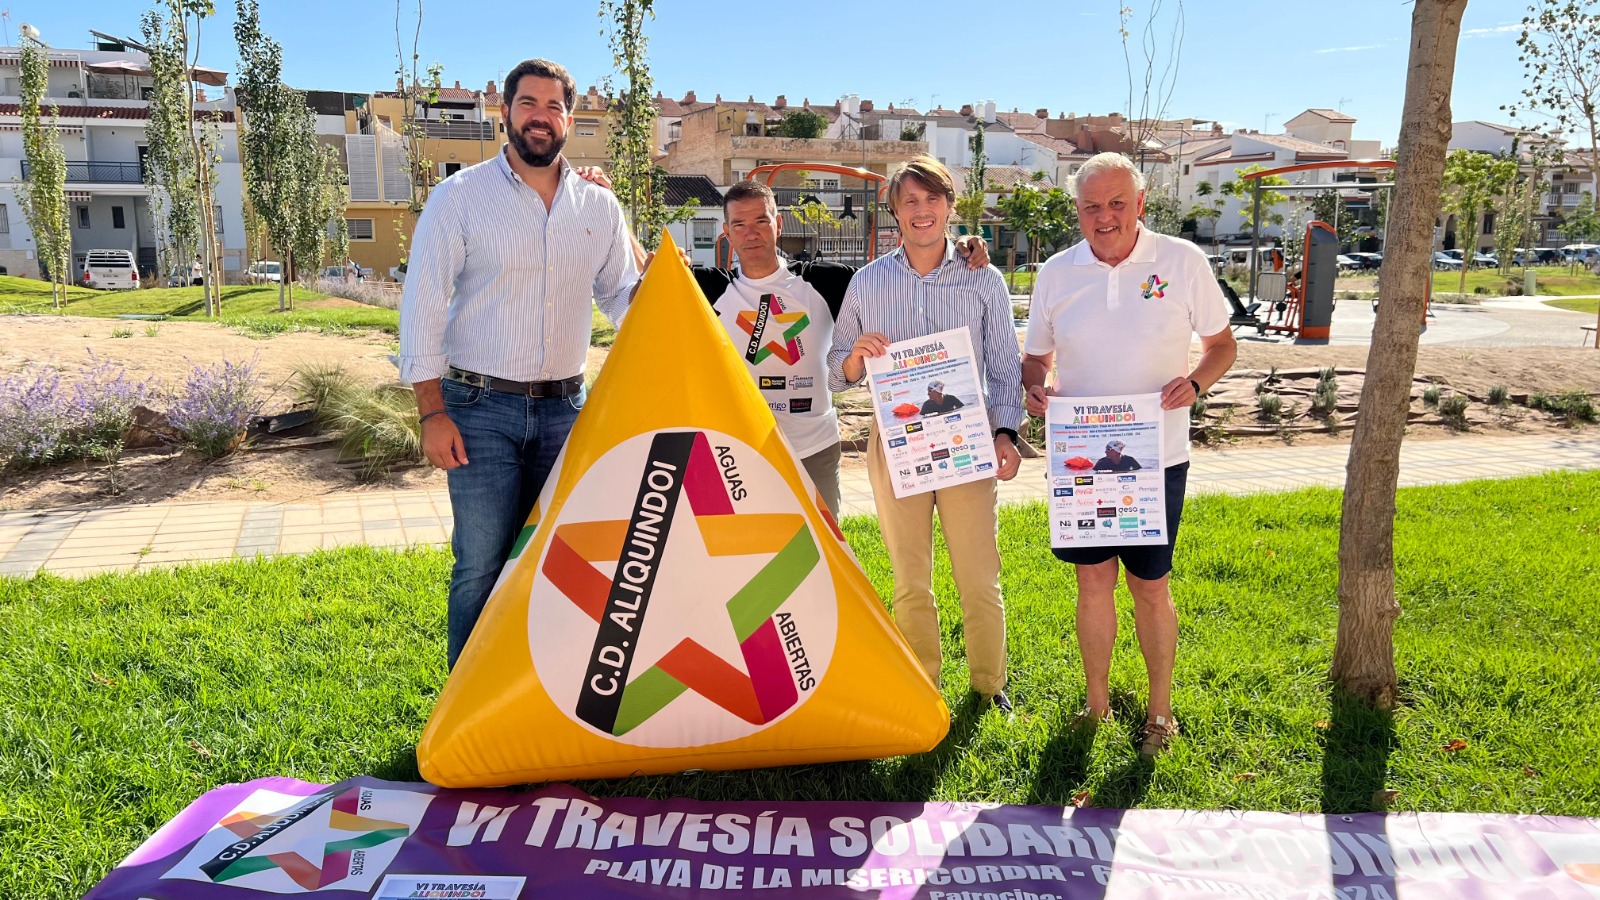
x=508, y=259
x=922, y=288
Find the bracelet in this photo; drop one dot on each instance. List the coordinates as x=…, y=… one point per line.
x=1197, y=391
x=437, y=412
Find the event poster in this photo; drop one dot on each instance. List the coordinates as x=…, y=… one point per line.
x=931, y=416
x=1107, y=484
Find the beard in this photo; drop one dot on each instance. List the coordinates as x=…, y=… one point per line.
x=532, y=154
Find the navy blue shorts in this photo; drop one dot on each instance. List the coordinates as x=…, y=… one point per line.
x=1146, y=561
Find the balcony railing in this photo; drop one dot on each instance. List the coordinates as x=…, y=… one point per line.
x=99, y=172
x=454, y=130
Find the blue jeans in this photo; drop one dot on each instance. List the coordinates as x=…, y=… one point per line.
x=511, y=444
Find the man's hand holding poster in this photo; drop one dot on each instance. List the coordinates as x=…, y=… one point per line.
x=928, y=400
x=1106, y=474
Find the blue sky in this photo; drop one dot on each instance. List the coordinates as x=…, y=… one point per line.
x=1250, y=64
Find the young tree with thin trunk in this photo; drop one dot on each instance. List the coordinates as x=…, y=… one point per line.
x=969, y=206
x=1363, y=655
x=1473, y=182
x=1560, y=54
x=43, y=193
x=169, y=163
x=639, y=183
x=1152, y=80
x=286, y=169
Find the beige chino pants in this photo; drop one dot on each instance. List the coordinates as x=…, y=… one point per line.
x=968, y=516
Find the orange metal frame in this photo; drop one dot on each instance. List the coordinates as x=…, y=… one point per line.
x=772, y=169
x=1297, y=303
x=1331, y=164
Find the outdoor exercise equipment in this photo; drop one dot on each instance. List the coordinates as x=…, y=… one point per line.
x=680, y=597
x=1307, y=303
x=861, y=215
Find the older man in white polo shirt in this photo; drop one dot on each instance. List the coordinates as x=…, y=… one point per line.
x=1115, y=314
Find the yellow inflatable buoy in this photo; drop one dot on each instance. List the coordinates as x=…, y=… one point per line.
x=680, y=597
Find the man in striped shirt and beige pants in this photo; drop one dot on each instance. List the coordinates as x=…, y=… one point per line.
x=507, y=261
x=923, y=288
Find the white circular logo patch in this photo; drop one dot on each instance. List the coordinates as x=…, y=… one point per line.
x=681, y=599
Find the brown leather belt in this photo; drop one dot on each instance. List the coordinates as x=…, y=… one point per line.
x=566, y=387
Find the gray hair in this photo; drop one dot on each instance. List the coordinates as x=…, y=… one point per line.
x=1108, y=162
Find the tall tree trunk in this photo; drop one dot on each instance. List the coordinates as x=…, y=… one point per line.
x=1363, y=655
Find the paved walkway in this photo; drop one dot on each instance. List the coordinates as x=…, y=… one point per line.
x=76, y=542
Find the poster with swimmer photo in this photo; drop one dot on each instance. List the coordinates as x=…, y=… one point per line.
x=1107, y=484
x=928, y=401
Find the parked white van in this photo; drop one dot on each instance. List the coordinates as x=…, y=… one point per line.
x=111, y=270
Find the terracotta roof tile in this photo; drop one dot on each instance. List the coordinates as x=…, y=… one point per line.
x=104, y=112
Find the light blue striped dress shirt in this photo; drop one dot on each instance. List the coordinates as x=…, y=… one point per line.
x=889, y=297
x=498, y=285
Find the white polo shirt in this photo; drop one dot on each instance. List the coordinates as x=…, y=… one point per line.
x=1126, y=329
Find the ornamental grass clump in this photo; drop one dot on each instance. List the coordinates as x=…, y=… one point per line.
x=215, y=405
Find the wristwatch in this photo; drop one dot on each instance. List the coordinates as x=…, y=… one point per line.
x=1197, y=391
x=1010, y=433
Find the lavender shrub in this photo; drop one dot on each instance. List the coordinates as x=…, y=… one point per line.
x=215, y=406
x=43, y=419
x=37, y=417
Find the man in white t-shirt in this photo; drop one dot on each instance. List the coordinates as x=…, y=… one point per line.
x=1115, y=314
x=780, y=317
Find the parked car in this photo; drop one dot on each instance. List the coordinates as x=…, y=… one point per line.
x=336, y=273
x=1582, y=254
x=264, y=272
x=1366, y=261
x=1485, y=260
x=1348, y=263
x=111, y=270
x=1443, y=260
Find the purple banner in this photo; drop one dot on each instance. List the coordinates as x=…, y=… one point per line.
x=390, y=841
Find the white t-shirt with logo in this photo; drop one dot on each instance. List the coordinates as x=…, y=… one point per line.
x=782, y=326
x=1126, y=329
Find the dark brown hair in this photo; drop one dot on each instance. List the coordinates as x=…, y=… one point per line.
x=542, y=68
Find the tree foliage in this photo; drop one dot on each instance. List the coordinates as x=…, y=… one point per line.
x=639, y=183
x=811, y=212
x=294, y=183
x=1581, y=225
x=1329, y=207
x=801, y=123
x=1162, y=213
x=970, y=205
x=1559, y=49
x=1049, y=219
x=170, y=164
x=1472, y=183
x=43, y=194
x=1244, y=191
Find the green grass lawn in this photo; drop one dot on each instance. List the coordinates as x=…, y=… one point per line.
x=1589, y=305
x=128, y=696
x=251, y=307
x=1558, y=280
